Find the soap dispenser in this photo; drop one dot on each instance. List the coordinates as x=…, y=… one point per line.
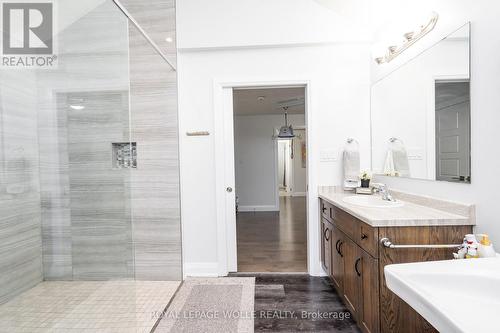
x=485, y=248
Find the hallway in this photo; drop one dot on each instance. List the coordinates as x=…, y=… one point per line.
x=273, y=241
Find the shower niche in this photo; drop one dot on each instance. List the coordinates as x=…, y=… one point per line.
x=124, y=155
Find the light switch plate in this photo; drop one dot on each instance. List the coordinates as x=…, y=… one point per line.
x=415, y=154
x=329, y=155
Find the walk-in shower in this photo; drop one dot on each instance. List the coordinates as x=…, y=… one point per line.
x=89, y=179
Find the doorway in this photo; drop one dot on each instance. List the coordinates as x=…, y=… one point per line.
x=270, y=179
x=452, y=130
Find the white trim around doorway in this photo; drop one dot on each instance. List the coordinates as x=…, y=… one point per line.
x=226, y=232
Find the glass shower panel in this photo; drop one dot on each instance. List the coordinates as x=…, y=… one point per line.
x=83, y=110
x=20, y=240
x=64, y=211
x=89, y=174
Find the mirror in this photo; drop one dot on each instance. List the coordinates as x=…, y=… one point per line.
x=421, y=114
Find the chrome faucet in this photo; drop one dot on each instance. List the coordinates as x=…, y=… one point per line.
x=384, y=192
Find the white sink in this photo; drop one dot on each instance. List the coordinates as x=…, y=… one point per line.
x=453, y=295
x=371, y=201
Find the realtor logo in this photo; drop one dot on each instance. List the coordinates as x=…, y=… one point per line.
x=28, y=29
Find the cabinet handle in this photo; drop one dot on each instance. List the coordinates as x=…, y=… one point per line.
x=324, y=234
x=356, y=266
x=363, y=236
x=323, y=208
x=340, y=249
x=337, y=246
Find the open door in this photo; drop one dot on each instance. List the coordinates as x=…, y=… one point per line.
x=230, y=196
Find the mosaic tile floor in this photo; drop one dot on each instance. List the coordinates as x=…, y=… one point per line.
x=87, y=306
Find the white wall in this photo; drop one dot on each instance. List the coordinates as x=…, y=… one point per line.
x=339, y=94
x=255, y=159
x=251, y=23
x=485, y=103
x=339, y=75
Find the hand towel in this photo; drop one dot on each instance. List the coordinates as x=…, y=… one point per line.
x=351, y=167
x=401, y=164
x=389, y=169
x=396, y=162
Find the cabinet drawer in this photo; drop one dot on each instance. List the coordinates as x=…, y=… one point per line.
x=345, y=222
x=326, y=210
x=367, y=238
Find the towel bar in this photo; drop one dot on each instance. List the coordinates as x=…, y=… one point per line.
x=386, y=242
x=200, y=133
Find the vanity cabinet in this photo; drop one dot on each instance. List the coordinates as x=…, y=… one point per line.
x=353, y=270
x=356, y=263
x=360, y=284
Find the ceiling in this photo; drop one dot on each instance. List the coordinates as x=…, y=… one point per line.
x=246, y=101
x=451, y=92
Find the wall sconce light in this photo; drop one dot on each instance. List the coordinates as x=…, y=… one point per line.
x=410, y=38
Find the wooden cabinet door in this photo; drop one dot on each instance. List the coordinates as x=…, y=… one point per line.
x=326, y=245
x=352, y=278
x=369, y=299
x=337, y=260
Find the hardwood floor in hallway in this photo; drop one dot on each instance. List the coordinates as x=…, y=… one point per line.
x=273, y=241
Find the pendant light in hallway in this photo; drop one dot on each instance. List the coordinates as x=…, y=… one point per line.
x=286, y=131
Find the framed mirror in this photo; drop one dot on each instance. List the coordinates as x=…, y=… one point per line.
x=421, y=114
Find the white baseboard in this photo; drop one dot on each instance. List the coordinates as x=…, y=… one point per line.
x=298, y=194
x=319, y=272
x=201, y=269
x=269, y=208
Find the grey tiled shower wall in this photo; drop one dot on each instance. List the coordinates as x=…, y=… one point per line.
x=20, y=239
x=65, y=212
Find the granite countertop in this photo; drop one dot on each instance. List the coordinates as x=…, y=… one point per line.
x=416, y=211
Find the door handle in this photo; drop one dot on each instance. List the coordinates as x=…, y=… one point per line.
x=229, y=189
x=325, y=233
x=356, y=266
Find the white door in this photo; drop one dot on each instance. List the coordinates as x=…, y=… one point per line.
x=453, y=131
x=225, y=181
x=229, y=177
x=299, y=163
x=285, y=181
